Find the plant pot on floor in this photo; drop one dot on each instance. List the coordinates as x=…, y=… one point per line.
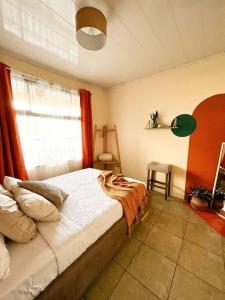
x=218, y=204
x=199, y=204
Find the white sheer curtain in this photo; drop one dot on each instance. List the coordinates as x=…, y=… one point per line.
x=49, y=124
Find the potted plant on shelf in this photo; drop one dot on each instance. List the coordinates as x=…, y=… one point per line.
x=200, y=197
x=154, y=119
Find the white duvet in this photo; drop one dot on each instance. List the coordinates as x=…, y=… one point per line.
x=86, y=214
x=65, y=239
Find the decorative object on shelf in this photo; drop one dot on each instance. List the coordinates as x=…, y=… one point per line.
x=183, y=125
x=148, y=126
x=103, y=158
x=174, y=123
x=200, y=197
x=154, y=119
x=91, y=28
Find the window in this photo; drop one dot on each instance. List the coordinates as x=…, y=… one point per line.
x=49, y=122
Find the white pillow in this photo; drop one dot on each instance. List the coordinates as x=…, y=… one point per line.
x=5, y=192
x=35, y=206
x=10, y=182
x=4, y=259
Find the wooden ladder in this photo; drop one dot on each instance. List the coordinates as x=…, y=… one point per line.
x=104, y=131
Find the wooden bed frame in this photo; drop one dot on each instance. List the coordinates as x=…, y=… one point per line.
x=73, y=282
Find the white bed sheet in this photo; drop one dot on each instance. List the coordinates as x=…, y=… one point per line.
x=66, y=240
x=87, y=206
x=88, y=212
x=32, y=267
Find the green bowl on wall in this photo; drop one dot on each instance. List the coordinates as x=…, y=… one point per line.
x=185, y=125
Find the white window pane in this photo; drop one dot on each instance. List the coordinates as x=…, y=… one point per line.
x=49, y=123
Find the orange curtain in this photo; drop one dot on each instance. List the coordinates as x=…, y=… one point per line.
x=86, y=128
x=11, y=157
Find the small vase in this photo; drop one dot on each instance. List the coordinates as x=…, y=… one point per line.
x=154, y=124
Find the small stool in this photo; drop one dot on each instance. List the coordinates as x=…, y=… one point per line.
x=163, y=168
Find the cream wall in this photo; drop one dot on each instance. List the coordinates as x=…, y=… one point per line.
x=173, y=92
x=100, y=108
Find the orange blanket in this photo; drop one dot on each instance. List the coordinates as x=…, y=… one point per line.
x=131, y=195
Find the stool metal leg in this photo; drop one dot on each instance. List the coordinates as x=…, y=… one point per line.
x=166, y=185
x=169, y=184
x=152, y=178
x=148, y=179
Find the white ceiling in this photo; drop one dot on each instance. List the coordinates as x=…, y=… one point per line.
x=144, y=36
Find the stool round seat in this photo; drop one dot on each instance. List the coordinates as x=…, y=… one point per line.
x=156, y=166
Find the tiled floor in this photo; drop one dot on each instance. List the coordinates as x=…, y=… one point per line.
x=173, y=254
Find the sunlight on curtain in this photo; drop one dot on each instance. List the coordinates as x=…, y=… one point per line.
x=49, y=122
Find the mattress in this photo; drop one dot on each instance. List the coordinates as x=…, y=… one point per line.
x=86, y=215
x=87, y=206
x=32, y=267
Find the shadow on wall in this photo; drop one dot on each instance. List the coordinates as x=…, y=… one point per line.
x=177, y=173
x=180, y=173
x=205, y=142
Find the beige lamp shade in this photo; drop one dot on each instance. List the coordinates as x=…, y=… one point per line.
x=91, y=28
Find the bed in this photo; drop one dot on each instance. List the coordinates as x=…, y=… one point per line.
x=66, y=256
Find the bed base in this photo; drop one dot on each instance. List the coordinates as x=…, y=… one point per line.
x=72, y=283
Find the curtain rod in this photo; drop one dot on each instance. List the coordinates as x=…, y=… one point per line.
x=37, y=78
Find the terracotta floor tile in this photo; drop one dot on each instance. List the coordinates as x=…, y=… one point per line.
x=130, y=289
x=205, y=237
x=194, y=218
x=164, y=242
x=127, y=252
x=223, y=243
x=177, y=209
x=203, y=263
x=103, y=286
x=187, y=286
x=141, y=231
x=153, y=270
x=152, y=215
x=157, y=200
x=172, y=224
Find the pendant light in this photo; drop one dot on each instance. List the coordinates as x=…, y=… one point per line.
x=91, y=28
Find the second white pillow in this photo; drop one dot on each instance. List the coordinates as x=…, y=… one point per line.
x=35, y=206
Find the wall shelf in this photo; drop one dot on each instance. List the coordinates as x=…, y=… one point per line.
x=162, y=127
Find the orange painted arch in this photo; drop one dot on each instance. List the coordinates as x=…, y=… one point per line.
x=205, y=142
